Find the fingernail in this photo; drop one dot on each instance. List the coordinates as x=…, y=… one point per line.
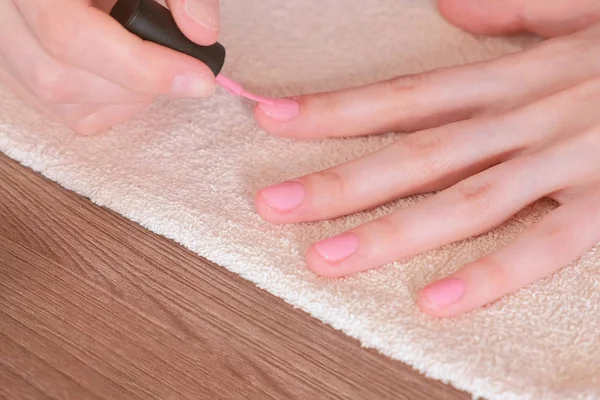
x=285, y=196
x=338, y=247
x=193, y=84
x=281, y=110
x=444, y=293
x=205, y=12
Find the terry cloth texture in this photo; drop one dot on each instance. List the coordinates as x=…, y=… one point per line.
x=188, y=169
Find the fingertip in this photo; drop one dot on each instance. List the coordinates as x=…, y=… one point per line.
x=281, y=110
x=426, y=306
x=274, y=123
x=464, y=14
x=487, y=17
x=263, y=209
x=198, y=22
x=313, y=260
x=160, y=70
x=444, y=298
x=281, y=201
x=264, y=121
x=269, y=211
x=451, y=11
x=319, y=266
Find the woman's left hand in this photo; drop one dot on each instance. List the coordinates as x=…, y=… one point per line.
x=493, y=137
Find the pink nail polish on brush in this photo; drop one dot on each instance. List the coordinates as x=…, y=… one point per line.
x=237, y=89
x=278, y=109
x=151, y=21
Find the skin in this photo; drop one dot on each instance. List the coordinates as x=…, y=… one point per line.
x=76, y=64
x=490, y=138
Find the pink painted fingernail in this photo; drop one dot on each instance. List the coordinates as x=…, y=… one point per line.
x=281, y=109
x=444, y=293
x=338, y=247
x=285, y=196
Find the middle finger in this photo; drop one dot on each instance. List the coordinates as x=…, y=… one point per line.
x=429, y=160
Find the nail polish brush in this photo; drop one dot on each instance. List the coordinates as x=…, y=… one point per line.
x=153, y=22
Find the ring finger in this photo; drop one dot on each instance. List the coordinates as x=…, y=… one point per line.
x=471, y=207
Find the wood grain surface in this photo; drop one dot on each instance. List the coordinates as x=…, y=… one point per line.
x=92, y=306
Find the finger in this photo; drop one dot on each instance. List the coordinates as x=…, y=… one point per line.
x=49, y=80
x=499, y=17
x=418, y=163
x=21, y=91
x=544, y=248
x=85, y=119
x=439, y=97
x=468, y=208
x=430, y=160
x=77, y=34
x=105, y=118
x=63, y=113
x=197, y=19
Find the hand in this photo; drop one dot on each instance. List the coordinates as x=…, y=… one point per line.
x=492, y=138
x=74, y=62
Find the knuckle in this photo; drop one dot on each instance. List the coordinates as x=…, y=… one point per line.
x=494, y=278
x=422, y=143
x=425, y=150
x=414, y=99
x=405, y=83
x=385, y=226
x=48, y=84
x=330, y=179
x=401, y=91
x=140, y=77
x=558, y=239
x=382, y=235
x=329, y=185
x=475, y=195
x=328, y=101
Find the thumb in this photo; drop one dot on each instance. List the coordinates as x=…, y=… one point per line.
x=197, y=19
x=546, y=18
x=487, y=17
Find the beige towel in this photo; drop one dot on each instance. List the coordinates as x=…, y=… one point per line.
x=188, y=169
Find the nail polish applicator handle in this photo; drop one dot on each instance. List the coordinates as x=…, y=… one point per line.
x=151, y=21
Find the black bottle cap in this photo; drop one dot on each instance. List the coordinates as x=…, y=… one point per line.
x=152, y=22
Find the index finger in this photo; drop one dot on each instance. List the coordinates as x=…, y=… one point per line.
x=80, y=35
x=438, y=97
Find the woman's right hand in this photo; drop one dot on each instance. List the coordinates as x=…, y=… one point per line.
x=78, y=65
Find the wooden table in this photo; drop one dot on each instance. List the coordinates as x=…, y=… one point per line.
x=93, y=306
